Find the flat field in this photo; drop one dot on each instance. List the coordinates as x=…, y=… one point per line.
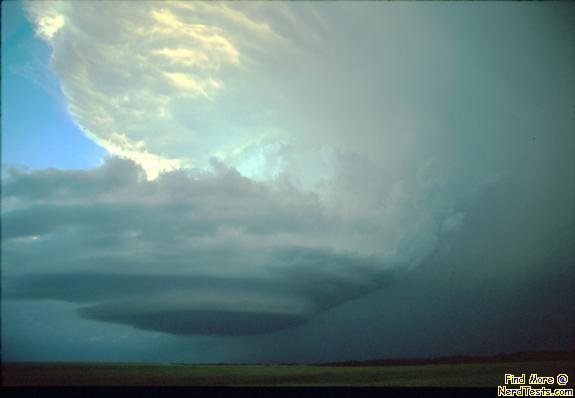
x=137, y=374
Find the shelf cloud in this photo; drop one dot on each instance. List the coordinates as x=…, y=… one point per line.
x=157, y=254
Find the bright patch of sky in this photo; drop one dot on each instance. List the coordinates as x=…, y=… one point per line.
x=37, y=130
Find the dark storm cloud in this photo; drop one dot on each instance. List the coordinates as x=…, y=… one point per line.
x=223, y=323
x=214, y=252
x=51, y=184
x=90, y=287
x=303, y=281
x=88, y=198
x=504, y=284
x=189, y=253
x=322, y=276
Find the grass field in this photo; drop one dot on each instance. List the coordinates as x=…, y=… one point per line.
x=113, y=374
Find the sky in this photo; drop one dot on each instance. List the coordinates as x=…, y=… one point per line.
x=286, y=181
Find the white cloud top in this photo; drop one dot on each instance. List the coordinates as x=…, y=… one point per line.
x=128, y=71
x=48, y=25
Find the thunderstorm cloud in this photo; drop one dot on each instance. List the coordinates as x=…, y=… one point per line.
x=299, y=182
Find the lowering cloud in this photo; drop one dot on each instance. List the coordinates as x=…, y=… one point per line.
x=212, y=253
